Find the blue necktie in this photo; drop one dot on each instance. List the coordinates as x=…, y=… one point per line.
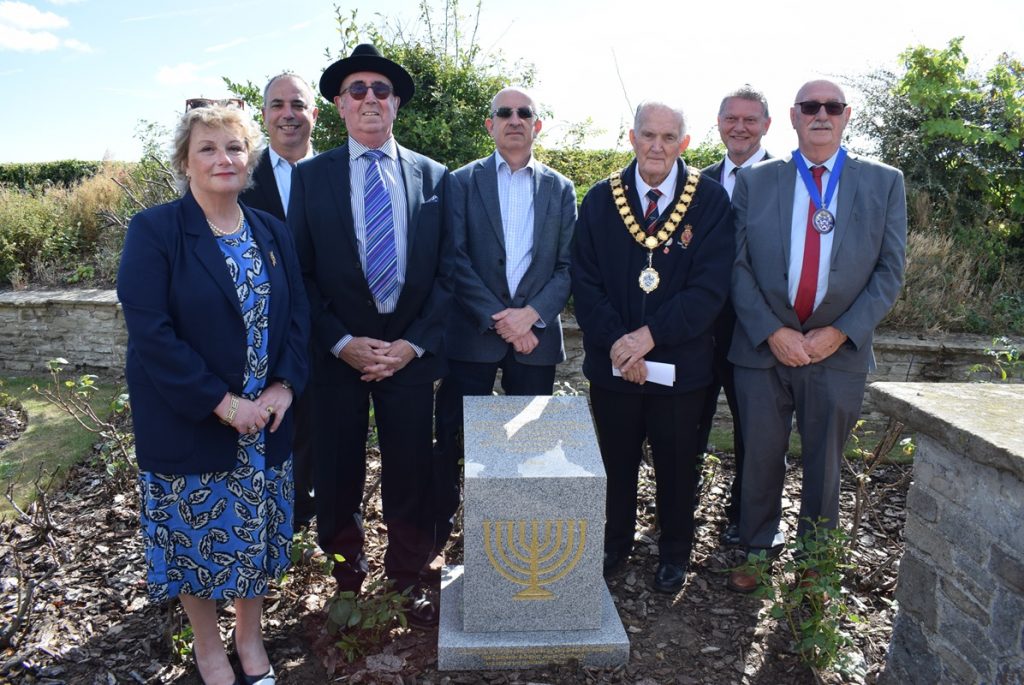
x=381, y=253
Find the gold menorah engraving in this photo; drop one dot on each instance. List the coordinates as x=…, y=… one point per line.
x=534, y=553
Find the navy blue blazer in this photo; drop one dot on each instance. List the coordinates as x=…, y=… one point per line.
x=606, y=265
x=320, y=216
x=263, y=193
x=187, y=341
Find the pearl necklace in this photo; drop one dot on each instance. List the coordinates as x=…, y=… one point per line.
x=221, y=233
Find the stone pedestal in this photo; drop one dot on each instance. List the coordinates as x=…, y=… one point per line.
x=961, y=581
x=531, y=592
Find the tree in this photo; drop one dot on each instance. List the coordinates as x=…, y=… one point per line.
x=957, y=135
x=454, y=78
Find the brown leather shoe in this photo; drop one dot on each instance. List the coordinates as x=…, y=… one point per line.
x=742, y=582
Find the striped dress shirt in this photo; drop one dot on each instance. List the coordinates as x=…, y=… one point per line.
x=515, y=195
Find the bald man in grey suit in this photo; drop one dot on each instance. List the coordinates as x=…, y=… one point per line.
x=817, y=267
x=512, y=224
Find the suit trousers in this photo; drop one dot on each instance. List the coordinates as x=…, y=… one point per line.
x=403, y=419
x=471, y=379
x=722, y=370
x=670, y=425
x=826, y=403
x=302, y=459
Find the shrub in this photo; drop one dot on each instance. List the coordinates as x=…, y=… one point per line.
x=64, y=173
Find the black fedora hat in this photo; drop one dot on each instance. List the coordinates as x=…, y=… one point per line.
x=365, y=57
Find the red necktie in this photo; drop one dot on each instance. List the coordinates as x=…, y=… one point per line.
x=651, y=214
x=808, y=286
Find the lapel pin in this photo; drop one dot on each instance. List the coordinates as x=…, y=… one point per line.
x=273, y=259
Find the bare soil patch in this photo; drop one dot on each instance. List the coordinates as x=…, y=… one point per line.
x=88, y=621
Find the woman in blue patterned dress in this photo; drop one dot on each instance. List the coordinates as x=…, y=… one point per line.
x=217, y=328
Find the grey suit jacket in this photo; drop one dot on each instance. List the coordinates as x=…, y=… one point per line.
x=481, y=288
x=868, y=254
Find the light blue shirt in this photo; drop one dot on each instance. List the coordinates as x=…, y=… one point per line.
x=283, y=175
x=515, y=196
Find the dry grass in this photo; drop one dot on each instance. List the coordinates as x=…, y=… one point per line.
x=943, y=290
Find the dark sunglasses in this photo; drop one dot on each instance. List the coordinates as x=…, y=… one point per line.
x=359, y=89
x=811, y=107
x=196, y=103
x=506, y=112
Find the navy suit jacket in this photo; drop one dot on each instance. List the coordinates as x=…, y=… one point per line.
x=263, y=193
x=187, y=340
x=481, y=287
x=868, y=255
x=320, y=216
x=606, y=265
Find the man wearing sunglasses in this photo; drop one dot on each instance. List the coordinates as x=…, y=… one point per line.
x=371, y=232
x=821, y=238
x=650, y=271
x=513, y=220
x=742, y=121
x=289, y=114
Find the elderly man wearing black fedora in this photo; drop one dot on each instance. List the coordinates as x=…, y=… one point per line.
x=370, y=225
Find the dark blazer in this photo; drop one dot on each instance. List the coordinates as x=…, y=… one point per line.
x=187, y=340
x=481, y=288
x=868, y=254
x=606, y=265
x=726, y=320
x=320, y=216
x=263, y=193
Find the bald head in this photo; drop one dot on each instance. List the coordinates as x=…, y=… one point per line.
x=819, y=132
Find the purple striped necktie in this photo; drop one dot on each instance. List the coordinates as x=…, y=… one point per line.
x=381, y=252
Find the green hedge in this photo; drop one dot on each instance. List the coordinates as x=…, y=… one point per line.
x=66, y=173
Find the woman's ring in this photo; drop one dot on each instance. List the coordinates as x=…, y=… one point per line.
x=252, y=428
x=270, y=410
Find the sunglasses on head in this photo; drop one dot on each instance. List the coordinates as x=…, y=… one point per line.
x=359, y=89
x=811, y=107
x=506, y=112
x=196, y=103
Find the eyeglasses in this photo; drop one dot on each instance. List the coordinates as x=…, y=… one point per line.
x=506, y=112
x=196, y=103
x=359, y=89
x=812, y=107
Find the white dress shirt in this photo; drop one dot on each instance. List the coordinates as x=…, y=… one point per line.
x=798, y=233
x=282, y=169
x=515, y=197
x=729, y=169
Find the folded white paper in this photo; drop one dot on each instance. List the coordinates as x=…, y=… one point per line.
x=657, y=372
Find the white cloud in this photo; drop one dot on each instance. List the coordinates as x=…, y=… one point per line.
x=25, y=28
x=225, y=46
x=65, y=2
x=187, y=74
x=77, y=45
x=27, y=41
x=21, y=15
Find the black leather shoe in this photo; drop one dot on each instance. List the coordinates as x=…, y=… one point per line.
x=669, y=578
x=613, y=562
x=730, y=537
x=423, y=611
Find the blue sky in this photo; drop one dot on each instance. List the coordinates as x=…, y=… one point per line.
x=79, y=75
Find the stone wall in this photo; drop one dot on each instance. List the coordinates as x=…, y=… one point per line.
x=86, y=328
x=961, y=579
x=83, y=326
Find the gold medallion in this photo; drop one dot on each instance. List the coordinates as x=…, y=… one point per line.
x=649, y=277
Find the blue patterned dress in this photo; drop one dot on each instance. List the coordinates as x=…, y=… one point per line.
x=224, y=535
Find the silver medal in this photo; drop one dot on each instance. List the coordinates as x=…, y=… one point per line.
x=823, y=221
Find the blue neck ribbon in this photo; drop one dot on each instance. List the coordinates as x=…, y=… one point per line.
x=812, y=187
